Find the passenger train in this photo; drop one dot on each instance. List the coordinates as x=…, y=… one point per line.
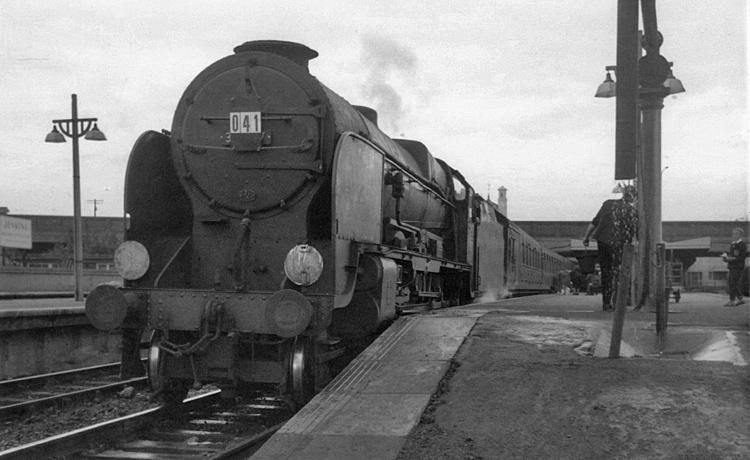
x=276, y=226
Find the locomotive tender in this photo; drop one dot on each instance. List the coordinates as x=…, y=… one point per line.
x=276, y=225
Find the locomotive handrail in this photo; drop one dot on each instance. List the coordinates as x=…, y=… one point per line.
x=211, y=119
x=427, y=185
x=405, y=254
x=202, y=149
x=319, y=111
x=171, y=259
x=403, y=168
x=314, y=166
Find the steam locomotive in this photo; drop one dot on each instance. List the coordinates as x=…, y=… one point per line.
x=277, y=226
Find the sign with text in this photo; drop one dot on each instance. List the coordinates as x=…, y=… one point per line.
x=244, y=122
x=15, y=232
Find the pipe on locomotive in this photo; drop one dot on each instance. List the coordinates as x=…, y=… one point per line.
x=397, y=181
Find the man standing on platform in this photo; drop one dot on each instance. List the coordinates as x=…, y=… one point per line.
x=613, y=227
x=735, y=260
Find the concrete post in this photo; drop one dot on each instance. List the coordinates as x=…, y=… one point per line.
x=623, y=286
x=77, y=227
x=662, y=306
x=651, y=103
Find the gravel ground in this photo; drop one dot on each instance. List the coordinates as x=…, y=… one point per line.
x=44, y=423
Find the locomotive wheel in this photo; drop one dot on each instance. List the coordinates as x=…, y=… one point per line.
x=307, y=375
x=154, y=355
x=302, y=370
x=173, y=391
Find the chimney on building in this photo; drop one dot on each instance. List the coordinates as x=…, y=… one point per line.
x=502, y=201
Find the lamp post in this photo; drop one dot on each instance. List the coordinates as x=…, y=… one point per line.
x=74, y=128
x=651, y=93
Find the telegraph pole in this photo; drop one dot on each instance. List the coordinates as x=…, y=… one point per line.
x=95, y=202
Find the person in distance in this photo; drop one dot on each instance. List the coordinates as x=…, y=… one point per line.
x=613, y=227
x=735, y=259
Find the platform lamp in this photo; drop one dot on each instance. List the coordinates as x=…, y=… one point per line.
x=609, y=86
x=74, y=128
x=649, y=182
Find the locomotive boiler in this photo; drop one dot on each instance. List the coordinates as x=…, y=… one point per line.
x=276, y=226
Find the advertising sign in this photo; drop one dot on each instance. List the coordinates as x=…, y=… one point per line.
x=15, y=232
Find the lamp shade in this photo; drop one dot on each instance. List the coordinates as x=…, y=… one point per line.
x=674, y=85
x=95, y=135
x=55, y=136
x=607, y=89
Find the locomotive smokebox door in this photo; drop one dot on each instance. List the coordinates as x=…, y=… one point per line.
x=246, y=134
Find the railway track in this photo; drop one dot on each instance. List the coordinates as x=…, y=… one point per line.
x=59, y=388
x=211, y=429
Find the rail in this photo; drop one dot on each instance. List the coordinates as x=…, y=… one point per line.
x=23, y=394
x=173, y=442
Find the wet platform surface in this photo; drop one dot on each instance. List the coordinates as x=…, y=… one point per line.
x=698, y=328
x=370, y=409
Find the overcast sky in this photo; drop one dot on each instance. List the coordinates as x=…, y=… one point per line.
x=502, y=90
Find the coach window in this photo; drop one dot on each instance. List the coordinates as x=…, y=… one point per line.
x=525, y=254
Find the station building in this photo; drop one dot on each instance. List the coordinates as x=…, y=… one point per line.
x=48, y=265
x=693, y=248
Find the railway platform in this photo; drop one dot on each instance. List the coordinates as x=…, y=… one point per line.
x=43, y=335
x=29, y=304
x=529, y=378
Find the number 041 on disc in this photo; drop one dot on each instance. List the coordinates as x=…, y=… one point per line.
x=244, y=122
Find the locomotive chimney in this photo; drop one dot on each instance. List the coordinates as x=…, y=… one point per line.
x=295, y=52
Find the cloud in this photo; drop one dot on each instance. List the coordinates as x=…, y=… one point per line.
x=503, y=91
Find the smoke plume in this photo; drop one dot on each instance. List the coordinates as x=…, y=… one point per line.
x=493, y=295
x=388, y=64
